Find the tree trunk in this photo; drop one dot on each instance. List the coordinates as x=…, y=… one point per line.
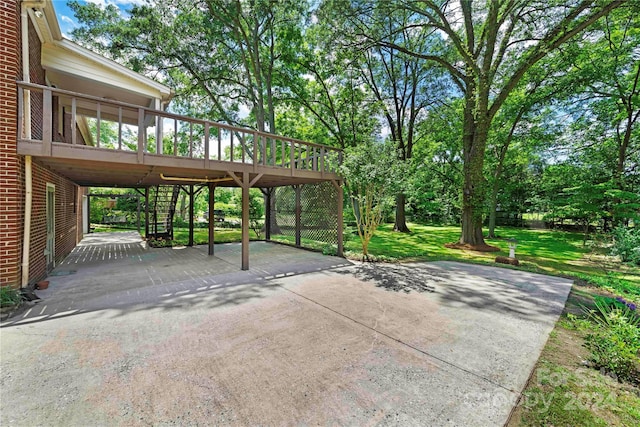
x=474, y=186
x=401, y=222
x=183, y=206
x=492, y=213
x=275, y=228
x=493, y=204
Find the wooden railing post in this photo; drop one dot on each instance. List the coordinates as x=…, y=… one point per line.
x=206, y=145
x=119, y=127
x=47, y=121
x=159, y=131
x=21, y=124
x=292, y=164
x=98, y=119
x=74, y=131
x=273, y=152
x=141, y=133
x=255, y=151
x=190, y=139
x=219, y=137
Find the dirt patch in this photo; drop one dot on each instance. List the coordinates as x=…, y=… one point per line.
x=468, y=247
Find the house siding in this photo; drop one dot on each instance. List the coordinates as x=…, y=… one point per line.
x=68, y=206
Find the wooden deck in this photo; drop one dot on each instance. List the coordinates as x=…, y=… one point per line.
x=121, y=144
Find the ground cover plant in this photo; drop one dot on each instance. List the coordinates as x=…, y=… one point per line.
x=9, y=296
x=613, y=338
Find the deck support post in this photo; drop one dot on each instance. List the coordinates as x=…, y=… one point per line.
x=212, y=195
x=191, y=198
x=340, y=225
x=89, y=213
x=268, y=194
x=245, y=220
x=298, y=190
x=245, y=184
x=138, y=209
x=146, y=212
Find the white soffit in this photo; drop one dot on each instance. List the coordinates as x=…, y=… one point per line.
x=65, y=60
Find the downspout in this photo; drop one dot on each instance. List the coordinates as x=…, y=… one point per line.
x=24, y=21
x=27, y=221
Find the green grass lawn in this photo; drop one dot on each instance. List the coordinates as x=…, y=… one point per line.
x=545, y=251
x=201, y=235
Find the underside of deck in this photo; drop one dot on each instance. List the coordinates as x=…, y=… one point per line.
x=104, y=168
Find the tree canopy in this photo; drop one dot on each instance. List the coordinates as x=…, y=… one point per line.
x=491, y=106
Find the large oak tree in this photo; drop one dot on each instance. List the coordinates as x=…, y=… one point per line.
x=488, y=48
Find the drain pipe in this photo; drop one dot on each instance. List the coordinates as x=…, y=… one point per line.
x=24, y=21
x=27, y=220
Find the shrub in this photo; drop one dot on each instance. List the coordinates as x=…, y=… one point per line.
x=626, y=244
x=160, y=242
x=615, y=340
x=9, y=296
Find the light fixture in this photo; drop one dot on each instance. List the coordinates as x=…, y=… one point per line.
x=38, y=13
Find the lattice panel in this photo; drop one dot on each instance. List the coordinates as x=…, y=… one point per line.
x=285, y=211
x=318, y=212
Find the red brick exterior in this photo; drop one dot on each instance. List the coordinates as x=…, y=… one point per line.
x=68, y=196
x=36, y=75
x=11, y=165
x=68, y=224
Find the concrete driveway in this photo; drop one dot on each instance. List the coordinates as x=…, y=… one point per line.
x=294, y=341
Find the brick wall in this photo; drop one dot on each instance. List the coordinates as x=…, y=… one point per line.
x=11, y=165
x=36, y=75
x=68, y=199
x=68, y=210
x=62, y=131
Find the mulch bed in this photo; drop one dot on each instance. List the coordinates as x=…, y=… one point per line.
x=468, y=247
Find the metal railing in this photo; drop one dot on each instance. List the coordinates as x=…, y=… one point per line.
x=105, y=124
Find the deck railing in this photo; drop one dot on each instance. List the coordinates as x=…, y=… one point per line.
x=105, y=124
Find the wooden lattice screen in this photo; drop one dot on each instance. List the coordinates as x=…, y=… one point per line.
x=315, y=224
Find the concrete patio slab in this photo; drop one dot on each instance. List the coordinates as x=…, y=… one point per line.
x=348, y=345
